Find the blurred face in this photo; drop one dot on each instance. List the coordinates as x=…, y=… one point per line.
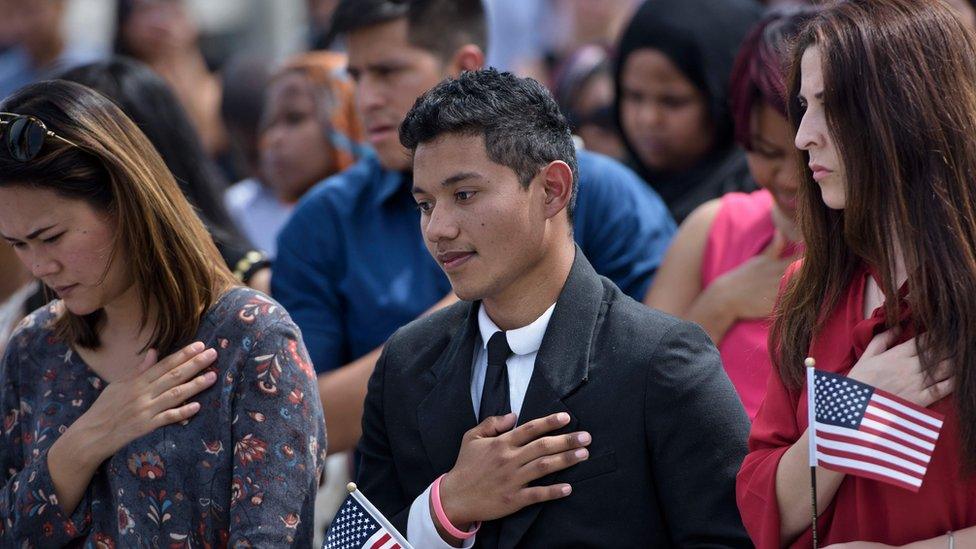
x=66, y=244
x=157, y=28
x=295, y=153
x=772, y=159
x=35, y=23
x=813, y=135
x=390, y=74
x=966, y=12
x=320, y=11
x=664, y=116
x=597, y=96
x=484, y=229
x=599, y=21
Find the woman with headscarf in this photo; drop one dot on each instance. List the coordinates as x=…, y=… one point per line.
x=672, y=80
x=724, y=268
x=309, y=131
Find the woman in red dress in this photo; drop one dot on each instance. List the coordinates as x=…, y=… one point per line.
x=883, y=98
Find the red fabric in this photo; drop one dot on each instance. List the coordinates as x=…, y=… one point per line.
x=863, y=509
x=741, y=230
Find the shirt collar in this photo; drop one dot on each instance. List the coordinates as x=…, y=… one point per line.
x=522, y=341
x=391, y=182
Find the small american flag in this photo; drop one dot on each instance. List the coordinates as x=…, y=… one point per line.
x=864, y=431
x=360, y=525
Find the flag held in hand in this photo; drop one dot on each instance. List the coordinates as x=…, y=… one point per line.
x=360, y=525
x=861, y=430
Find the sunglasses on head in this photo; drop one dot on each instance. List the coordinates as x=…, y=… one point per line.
x=23, y=135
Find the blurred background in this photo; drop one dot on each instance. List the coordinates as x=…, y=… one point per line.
x=544, y=29
x=227, y=27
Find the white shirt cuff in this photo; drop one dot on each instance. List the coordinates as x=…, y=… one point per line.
x=421, y=530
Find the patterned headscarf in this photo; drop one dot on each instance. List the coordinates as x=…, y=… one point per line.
x=327, y=71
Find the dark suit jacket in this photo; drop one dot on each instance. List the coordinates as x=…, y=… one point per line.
x=669, y=432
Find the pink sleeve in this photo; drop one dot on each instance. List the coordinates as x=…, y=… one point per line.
x=742, y=227
x=715, y=244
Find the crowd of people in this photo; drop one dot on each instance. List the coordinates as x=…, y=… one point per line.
x=566, y=310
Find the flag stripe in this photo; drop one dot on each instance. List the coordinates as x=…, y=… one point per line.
x=850, y=435
x=859, y=465
x=861, y=454
x=921, y=414
x=883, y=404
x=870, y=450
x=378, y=541
x=886, y=436
x=884, y=428
x=381, y=540
x=905, y=424
x=860, y=469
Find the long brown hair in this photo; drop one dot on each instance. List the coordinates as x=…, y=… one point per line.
x=900, y=98
x=169, y=254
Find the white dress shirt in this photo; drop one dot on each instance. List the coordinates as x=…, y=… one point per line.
x=258, y=213
x=525, y=343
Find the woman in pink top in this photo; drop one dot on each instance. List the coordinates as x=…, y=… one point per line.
x=724, y=267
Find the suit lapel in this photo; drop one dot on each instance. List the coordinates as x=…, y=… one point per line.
x=446, y=412
x=561, y=366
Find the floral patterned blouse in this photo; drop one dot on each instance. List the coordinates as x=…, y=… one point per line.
x=242, y=472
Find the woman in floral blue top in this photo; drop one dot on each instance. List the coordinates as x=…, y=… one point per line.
x=156, y=403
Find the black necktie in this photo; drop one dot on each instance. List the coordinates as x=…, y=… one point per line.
x=494, y=397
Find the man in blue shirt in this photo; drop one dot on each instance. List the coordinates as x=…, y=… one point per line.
x=352, y=266
x=40, y=50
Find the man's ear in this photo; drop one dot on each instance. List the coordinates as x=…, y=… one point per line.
x=557, y=181
x=468, y=57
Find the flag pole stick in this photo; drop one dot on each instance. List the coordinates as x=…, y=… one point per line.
x=813, y=493
x=810, y=363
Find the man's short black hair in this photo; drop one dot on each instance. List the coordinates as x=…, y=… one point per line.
x=439, y=26
x=518, y=117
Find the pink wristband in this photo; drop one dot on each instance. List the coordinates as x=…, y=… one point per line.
x=435, y=498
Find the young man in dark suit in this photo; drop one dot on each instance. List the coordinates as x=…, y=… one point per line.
x=351, y=265
x=602, y=423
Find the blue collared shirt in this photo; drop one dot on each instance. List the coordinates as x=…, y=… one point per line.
x=17, y=69
x=352, y=267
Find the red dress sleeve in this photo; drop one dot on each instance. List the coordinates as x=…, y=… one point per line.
x=774, y=431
